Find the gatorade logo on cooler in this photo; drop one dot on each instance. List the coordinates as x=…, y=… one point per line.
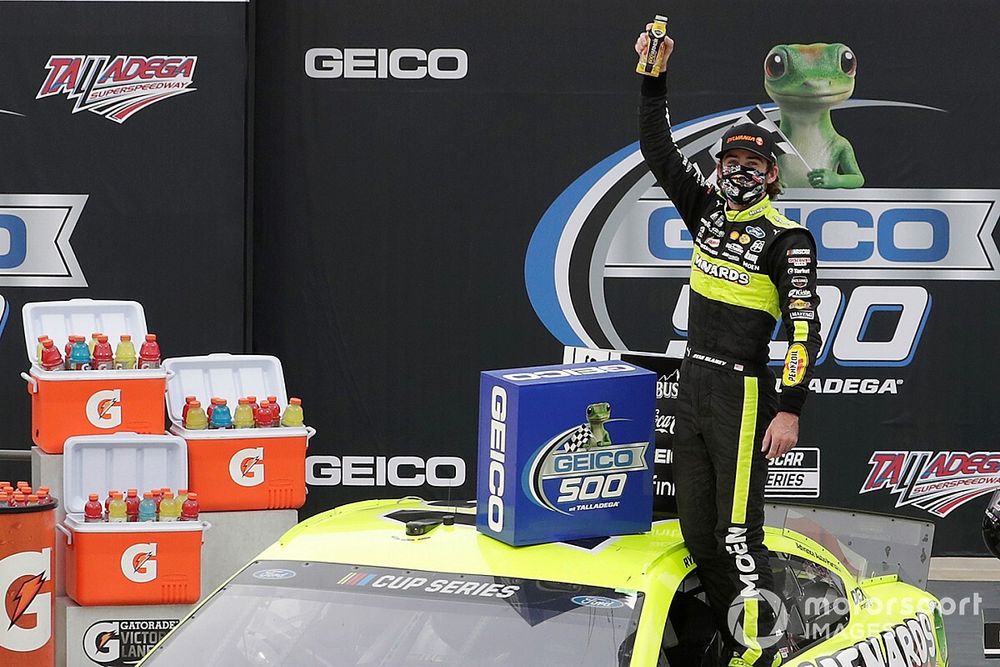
x=104, y=408
x=139, y=562
x=26, y=622
x=247, y=466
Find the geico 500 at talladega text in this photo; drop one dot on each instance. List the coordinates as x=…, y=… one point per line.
x=440, y=471
x=381, y=63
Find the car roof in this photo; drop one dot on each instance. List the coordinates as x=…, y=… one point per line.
x=373, y=533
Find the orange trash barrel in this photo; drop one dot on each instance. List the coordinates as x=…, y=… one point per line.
x=27, y=571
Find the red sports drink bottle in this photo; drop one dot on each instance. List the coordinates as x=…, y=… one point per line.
x=132, y=504
x=272, y=401
x=32, y=500
x=43, y=495
x=157, y=497
x=51, y=359
x=93, y=512
x=149, y=353
x=253, y=405
x=187, y=405
x=211, y=408
x=189, y=510
x=262, y=418
x=103, y=355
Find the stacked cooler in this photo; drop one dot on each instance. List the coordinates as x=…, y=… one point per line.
x=121, y=584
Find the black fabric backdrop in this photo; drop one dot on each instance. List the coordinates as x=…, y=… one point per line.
x=164, y=223
x=393, y=216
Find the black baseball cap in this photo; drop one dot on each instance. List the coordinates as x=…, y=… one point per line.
x=749, y=137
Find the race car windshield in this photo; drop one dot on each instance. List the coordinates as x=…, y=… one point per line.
x=294, y=613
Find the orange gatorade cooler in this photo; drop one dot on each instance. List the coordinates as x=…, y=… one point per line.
x=238, y=468
x=27, y=572
x=131, y=562
x=64, y=402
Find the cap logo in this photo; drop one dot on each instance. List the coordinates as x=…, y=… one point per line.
x=744, y=137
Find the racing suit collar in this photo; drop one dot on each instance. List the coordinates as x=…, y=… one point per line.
x=749, y=213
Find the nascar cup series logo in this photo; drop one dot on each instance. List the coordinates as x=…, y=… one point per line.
x=119, y=87
x=138, y=563
x=613, y=234
x=26, y=622
x=246, y=467
x=581, y=469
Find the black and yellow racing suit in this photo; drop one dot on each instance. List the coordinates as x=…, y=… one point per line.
x=749, y=269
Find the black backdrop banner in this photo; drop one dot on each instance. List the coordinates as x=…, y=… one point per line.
x=437, y=197
x=123, y=171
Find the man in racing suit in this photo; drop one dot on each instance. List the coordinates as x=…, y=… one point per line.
x=750, y=267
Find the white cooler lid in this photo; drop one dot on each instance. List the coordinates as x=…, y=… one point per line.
x=99, y=463
x=228, y=376
x=59, y=319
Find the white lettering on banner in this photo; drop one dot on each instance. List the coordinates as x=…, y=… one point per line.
x=246, y=467
x=498, y=458
x=401, y=471
x=380, y=63
x=138, y=562
x=554, y=373
x=104, y=408
x=22, y=576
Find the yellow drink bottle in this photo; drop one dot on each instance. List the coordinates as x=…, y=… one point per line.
x=651, y=64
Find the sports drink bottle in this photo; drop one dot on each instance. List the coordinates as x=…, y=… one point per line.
x=43, y=495
x=181, y=497
x=189, y=512
x=93, y=342
x=169, y=509
x=117, y=509
x=21, y=483
x=68, y=349
x=51, y=359
x=147, y=508
x=272, y=402
x=196, y=417
x=79, y=355
x=157, y=499
x=93, y=512
x=19, y=500
x=263, y=417
x=125, y=353
x=650, y=63
x=32, y=500
x=243, y=417
x=187, y=405
x=132, y=505
x=293, y=413
x=254, y=407
x=149, y=353
x=221, y=417
x=4, y=499
x=38, y=350
x=104, y=358
x=107, y=501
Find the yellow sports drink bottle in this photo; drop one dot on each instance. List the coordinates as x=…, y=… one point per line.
x=650, y=63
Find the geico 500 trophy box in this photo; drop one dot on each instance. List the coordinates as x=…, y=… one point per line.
x=564, y=452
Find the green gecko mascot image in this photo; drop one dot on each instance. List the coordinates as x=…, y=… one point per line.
x=597, y=415
x=806, y=81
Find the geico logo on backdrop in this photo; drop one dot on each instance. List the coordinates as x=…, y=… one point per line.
x=441, y=471
x=35, y=248
x=379, y=63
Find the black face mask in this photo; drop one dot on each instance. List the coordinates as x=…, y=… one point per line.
x=742, y=185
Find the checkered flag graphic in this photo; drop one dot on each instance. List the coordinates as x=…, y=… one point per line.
x=578, y=438
x=704, y=160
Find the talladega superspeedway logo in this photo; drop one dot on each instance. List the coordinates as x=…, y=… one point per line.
x=613, y=229
x=938, y=483
x=117, y=88
x=580, y=470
